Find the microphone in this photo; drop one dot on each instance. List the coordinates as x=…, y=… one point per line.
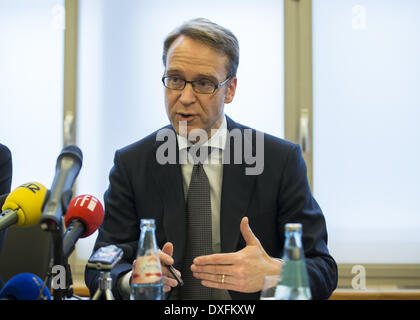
x=68, y=166
x=25, y=286
x=84, y=217
x=23, y=206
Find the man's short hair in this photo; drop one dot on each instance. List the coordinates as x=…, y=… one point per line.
x=210, y=34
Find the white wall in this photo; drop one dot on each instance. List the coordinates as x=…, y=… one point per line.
x=31, y=86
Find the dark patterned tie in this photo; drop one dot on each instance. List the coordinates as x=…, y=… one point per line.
x=199, y=237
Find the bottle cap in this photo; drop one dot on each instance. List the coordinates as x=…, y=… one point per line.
x=293, y=227
x=147, y=222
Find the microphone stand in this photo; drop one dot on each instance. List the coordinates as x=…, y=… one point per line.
x=57, y=236
x=58, y=293
x=59, y=259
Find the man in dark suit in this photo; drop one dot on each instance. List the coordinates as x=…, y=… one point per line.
x=251, y=199
x=5, y=170
x=5, y=184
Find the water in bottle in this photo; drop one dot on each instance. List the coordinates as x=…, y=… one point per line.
x=294, y=284
x=147, y=279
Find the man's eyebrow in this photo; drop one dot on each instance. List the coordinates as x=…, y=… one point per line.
x=206, y=75
x=173, y=71
x=197, y=77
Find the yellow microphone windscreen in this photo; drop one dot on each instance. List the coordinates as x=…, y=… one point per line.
x=27, y=200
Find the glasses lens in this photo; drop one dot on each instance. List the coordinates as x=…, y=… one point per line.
x=204, y=86
x=174, y=83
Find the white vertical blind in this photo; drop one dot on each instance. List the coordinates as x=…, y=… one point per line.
x=120, y=94
x=366, y=132
x=31, y=86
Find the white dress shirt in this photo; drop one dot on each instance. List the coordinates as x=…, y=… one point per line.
x=214, y=171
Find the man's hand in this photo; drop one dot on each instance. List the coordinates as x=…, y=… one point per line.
x=165, y=256
x=242, y=271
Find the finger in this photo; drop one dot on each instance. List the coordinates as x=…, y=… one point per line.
x=219, y=285
x=247, y=234
x=226, y=279
x=168, y=248
x=217, y=258
x=170, y=282
x=165, y=259
x=165, y=255
x=214, y=269
x=175, y=273
x=166, y=270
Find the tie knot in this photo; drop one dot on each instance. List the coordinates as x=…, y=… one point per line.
x=199, y=154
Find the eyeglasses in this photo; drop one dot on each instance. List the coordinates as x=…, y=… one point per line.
x=199, y=86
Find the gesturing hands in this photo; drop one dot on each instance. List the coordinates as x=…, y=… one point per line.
x=242, y=271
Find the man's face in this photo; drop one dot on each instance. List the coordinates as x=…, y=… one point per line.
x=191, y=60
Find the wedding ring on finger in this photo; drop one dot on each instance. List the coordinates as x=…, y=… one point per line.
x=223, y=279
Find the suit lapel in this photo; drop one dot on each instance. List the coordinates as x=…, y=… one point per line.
x=237, y=189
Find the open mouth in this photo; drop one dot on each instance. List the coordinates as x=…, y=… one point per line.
x=185, y=116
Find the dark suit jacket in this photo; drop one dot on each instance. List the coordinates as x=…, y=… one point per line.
x=142, y=188
x=5, y=169
x=5, y=184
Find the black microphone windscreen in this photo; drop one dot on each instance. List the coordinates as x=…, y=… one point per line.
x=72, y=150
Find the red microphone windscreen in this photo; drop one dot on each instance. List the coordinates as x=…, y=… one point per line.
x=87, y=209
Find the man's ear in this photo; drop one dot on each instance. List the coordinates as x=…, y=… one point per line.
x=231, y=89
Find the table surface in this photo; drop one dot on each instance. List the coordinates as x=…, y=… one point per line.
x=339, y=294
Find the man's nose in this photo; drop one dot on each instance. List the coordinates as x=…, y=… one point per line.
x=187, y=95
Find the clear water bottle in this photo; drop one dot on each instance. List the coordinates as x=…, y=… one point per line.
x=294, y=284
x=147, y=279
